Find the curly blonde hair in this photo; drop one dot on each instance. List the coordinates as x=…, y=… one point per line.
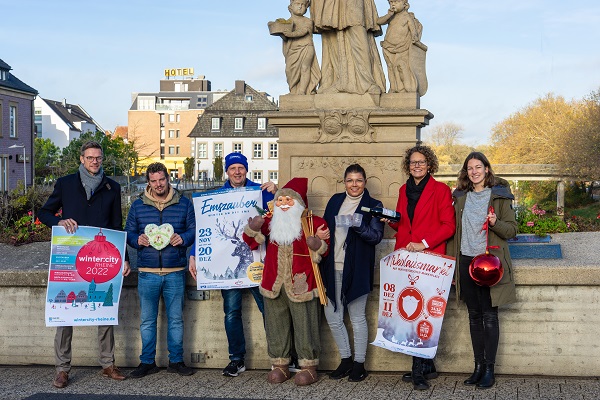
x=430, y=157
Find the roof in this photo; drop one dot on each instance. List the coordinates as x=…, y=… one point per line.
x=13, y=82
x=121, y=131
x=236, y=105
x=71, y=113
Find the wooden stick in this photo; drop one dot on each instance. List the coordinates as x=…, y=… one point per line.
x=309, y=230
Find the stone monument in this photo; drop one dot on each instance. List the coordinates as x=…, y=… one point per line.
x=351, y=118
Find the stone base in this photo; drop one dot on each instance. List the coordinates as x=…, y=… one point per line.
x=320, y=135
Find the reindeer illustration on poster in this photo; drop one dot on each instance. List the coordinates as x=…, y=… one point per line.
x=223, y=260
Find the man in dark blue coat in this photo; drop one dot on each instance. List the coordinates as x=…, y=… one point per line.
x=236, y=167
x=88, y=198
x=161, y=224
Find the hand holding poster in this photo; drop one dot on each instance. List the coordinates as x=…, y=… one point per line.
x=412, y=302
x=223, y=260
x=84, y=278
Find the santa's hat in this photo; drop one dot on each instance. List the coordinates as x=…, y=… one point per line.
x=296, y=188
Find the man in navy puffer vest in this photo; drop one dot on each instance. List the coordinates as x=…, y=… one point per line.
x=161, y=225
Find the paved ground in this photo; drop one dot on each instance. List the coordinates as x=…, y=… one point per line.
x=35, y=383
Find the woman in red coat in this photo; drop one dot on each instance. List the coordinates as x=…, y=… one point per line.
x=426, y=222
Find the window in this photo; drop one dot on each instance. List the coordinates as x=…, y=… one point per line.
x=239, y=123
x=162, y=119
x=273, y=150
x=257, y=176
x=162, y=151
x=202, y=150
x=248, y=97
x=171, y=133
x=38, y=129
x=177, y=133
x=273, y=176
x=237, y=147
x=215, y=124
x=38, y=114
x=12, y=130
x=262, y=124
x=218, y=149
x=171, y=117
x=146, y=103
x=171, y=150
x=178, y=117
x=162, y=135
x=257, y=150
x=3, y=172
x=181, y=87
x=202, y=101
x=177, y=150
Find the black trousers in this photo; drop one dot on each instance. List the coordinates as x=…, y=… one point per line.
x=483, y=318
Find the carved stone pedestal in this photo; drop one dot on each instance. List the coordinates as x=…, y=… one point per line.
x=320, y=135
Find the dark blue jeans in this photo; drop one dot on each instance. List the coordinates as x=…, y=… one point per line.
x=172, y=288
x=232, y=307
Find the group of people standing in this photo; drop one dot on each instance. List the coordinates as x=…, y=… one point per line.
x=341, y=245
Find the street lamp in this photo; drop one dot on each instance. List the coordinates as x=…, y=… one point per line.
x=17, y=146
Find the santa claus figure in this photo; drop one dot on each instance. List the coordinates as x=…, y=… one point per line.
x=289, y=285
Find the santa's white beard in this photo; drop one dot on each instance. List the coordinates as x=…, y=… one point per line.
x=286, y=226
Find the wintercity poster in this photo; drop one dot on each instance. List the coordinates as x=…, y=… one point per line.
x=223, y=259
x=85, y=276
x=413, y=295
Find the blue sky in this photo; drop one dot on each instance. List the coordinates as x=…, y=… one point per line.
x=486, y=59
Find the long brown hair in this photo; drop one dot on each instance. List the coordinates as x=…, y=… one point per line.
x=464, y=183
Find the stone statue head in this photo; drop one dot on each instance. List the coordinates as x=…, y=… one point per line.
x=304, y=6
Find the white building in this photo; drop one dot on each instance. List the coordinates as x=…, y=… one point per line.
x=62, y=122
x=235, y=123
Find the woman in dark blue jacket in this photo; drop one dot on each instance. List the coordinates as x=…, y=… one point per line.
x=349, y=267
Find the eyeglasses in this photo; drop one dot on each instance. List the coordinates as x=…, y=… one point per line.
x=420, y=163
x=90, y=158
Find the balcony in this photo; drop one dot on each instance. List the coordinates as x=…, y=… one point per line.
x=172, y=107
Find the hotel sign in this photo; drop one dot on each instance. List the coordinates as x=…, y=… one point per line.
x=169, y=72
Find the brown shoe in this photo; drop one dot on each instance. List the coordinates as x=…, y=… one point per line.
x=61, y=380
x=306, y=376
x=113, y=373
x=279, y=374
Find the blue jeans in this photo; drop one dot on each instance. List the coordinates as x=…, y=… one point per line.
x=232, y=307
x=172, y=288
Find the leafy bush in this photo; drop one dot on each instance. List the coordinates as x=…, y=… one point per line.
x=27, y=230
x=537, y=221
x=17, y=223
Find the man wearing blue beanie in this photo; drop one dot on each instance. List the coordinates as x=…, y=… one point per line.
x=236, y=158
x=236, y=168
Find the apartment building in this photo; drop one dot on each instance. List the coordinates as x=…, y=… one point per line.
x=235, y=123
x=159, y=122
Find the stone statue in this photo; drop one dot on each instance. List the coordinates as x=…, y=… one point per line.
x=351, y=62
x=401, y=49
x=301, y=65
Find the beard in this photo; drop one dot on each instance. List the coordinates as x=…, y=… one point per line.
x=286, y=226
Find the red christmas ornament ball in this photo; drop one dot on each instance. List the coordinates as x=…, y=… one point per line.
x=98, y=260
x=486, y=269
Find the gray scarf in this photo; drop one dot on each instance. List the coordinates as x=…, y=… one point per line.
x=90, y=182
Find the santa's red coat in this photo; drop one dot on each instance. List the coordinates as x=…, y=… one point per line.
x=287, y=266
